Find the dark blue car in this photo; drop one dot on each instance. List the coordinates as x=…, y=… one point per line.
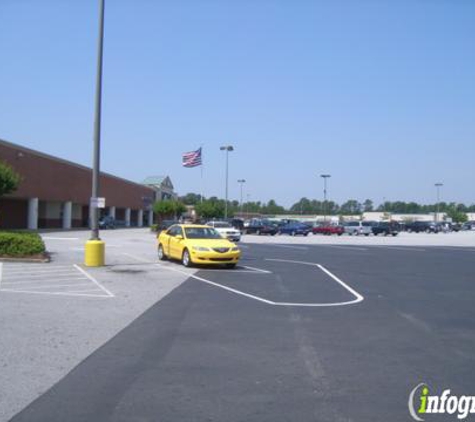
x=295, y=228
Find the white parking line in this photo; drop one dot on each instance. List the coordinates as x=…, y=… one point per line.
x=94, y=281
x=355, y=248
x=60, y=238
x=50, y=280
x=21, y=276
x=36, y=269
x=302, y=248
x=35, y=281
x=402, y=248
x=359, y=297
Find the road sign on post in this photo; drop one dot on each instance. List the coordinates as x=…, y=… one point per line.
x=98, y=202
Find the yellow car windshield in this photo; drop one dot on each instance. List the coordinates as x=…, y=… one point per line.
x=202, y=233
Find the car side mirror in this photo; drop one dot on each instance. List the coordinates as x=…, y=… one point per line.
x=179, y=237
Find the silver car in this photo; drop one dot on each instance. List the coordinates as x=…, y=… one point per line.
x=226, y=230
x=358, y=227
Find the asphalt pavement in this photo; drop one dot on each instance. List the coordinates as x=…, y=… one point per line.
x=282, y=339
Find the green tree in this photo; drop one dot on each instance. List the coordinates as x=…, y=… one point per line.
x=273, y=208
x=211, y=208
x=9, y=179
x=168, y=208
x=368, y=205
x=456, y=215
x=190, y=199
x=351, y=207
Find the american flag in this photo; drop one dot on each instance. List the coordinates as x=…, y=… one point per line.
x=191, y=159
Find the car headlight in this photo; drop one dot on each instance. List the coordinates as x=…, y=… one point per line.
x=235, y=249
x=200, y=249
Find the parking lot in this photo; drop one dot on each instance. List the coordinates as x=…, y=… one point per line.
x=310, y=328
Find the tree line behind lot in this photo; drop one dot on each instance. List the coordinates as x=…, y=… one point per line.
x=214, y=207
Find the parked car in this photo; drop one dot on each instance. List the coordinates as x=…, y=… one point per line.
x=386, y=228
x=165, y=224
x=226, y=230
x=328, y=229
x=259, y=226
x=237, y=223
x=355, y=228
x=107, y=222
x=469, y=225
x=194, y=244
x=295, y=228
x=423, y=226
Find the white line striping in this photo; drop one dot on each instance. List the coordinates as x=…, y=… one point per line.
x=46, y=280
x=56, y=293
x=60, y=238
x=40, y=276
x=351, y=290
x=257, y=269
x=355, y=248
x=302, y=248
x=359, y=297
x=402, y=248
x=56, y=286
x=212, y=283
x=41, y=269
x=93, y=280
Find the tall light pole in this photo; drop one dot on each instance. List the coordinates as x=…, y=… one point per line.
x=325, y=177
x=241, y=182
x=226, y=148
x=94, y=252
x=438, y=186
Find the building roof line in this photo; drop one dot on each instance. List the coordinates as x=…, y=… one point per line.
x=67, y=162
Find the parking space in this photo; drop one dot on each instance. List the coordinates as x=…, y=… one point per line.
x=67, y=280
x=297, y=331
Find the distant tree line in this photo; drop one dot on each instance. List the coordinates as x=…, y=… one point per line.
x=213, y=207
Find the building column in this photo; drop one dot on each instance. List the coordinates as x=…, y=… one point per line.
x=33, y=213
x=67, y=214
x=140, y=218
x=112, y=212
x=127, y=217
x=150, y=218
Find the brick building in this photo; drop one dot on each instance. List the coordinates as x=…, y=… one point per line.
x=55, y=193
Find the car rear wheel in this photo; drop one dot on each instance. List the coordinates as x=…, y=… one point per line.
x=161, y=253
x=186, y=259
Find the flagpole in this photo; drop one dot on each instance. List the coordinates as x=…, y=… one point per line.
x=201, y=169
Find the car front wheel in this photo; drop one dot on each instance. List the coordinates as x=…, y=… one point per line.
x=185, y=259
x=161, y=253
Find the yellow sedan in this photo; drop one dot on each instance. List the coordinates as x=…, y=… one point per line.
x=196, y=244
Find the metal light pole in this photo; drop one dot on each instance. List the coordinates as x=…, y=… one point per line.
x=94, y=252
x=438, y=186
x=226, y=148
x=325, y=177
x=241, y=182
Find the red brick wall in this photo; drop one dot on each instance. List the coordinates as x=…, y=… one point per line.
x=13, y=213
x=51, y=179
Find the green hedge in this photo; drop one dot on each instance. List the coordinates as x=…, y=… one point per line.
x=21, y=244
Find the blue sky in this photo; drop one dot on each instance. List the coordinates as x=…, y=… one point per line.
x=379, y=94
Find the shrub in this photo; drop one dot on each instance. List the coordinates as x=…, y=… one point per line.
x=21, y=244
x=154, y=227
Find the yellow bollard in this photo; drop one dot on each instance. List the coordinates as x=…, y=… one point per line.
x=94, y=253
